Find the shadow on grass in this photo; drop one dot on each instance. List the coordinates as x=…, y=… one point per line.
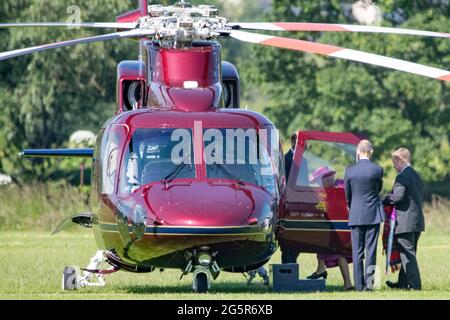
x=218, y=288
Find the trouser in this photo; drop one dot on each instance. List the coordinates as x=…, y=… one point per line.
x=289, y=256
x=409, y=276
x=364, y=244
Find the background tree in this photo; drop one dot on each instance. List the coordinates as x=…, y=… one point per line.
x=392, y=108
x=46, y=96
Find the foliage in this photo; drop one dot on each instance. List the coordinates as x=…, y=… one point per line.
x=47, y=96
x=39, y=206
x=392, y=108
x=32, y=264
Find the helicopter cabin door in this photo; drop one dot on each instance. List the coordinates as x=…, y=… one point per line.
x=315, y=218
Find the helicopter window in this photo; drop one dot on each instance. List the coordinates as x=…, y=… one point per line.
x=227, y=95
x=323, y=164
x=110, y=158
x=133, y=94
x=239, y=154
x=276, y=150
x=152, y=155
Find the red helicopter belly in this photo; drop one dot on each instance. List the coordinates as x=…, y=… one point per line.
x=230, y=221
x=166, y=247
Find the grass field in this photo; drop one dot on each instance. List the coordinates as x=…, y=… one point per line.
x=31, y=265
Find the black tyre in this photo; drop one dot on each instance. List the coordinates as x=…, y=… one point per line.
x=201, y=283
x=70, y=281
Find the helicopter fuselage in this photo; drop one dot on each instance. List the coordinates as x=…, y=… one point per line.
x=158, y=224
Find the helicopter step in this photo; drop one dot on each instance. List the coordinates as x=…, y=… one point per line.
x=92, y=276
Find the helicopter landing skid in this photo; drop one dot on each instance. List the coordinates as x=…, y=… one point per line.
x=92, y=276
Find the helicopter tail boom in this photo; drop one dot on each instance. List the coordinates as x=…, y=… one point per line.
x=134, y=15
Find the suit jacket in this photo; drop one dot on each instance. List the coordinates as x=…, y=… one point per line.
x=288, y=162
x=407, y=196
x=363, y=183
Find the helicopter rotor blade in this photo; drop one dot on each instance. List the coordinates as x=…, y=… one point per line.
x=101, y=25
x=325, y=27
x=343, y=53
x=117, y=35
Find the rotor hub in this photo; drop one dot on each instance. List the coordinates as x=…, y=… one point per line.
x=182, y=23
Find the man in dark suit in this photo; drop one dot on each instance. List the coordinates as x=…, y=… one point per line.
x=363, y=183
x=289, y=156
x=407, y=197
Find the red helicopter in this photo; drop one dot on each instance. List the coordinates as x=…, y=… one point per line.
x=173, y=181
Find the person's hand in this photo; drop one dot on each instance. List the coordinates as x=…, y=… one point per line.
x=386, y=201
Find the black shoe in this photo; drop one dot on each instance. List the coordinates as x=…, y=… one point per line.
x=391, y=284
x=415, y=289
x=316, y=275
x=394, y=285
x=349, y=289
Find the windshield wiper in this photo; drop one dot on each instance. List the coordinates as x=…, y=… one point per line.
x=229, y=173
x=173, y=174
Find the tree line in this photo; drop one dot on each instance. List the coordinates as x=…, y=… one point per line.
x=44, y=97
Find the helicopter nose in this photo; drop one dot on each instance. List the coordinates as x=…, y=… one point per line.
x=201, y=204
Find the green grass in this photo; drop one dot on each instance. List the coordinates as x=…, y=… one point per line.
x=39, y=206
x=31, y=261
x=31, y=265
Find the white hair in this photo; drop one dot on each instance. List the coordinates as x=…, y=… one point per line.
x=365, y=147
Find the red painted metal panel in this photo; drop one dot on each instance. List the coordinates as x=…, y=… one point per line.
x=186, y=203
x=301, y=45
x=131, y=16
x=128, y=71
x=134, y=15
x=172, y=67
x=185, y=79
x=316, y=207
x=143, y=7
x=293, y=26
x=155, y=118
x=343, y=137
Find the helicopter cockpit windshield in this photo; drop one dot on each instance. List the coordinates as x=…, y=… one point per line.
x=236, y=153
x=153, y=154
x=163, y=155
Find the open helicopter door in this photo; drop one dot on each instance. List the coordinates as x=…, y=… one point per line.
x=315, y=218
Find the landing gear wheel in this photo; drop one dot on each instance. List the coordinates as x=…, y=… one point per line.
x=201, y=283
x=70, y=278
